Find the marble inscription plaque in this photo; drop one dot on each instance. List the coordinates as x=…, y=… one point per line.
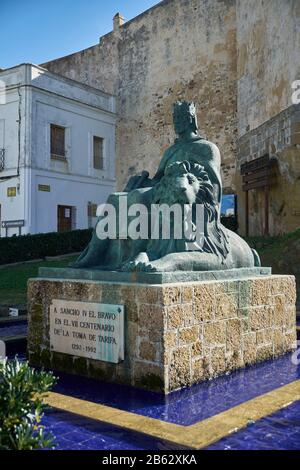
x=87, y=329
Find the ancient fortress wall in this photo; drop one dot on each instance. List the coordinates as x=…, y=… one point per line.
x=177, y=49
x=268, y=44
x=268, y=38
x=237, y=61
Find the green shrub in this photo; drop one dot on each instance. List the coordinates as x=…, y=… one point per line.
x=21, y=406
x=30, y=247
x=263, y=242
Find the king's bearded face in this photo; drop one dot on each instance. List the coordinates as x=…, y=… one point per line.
x=182, y=122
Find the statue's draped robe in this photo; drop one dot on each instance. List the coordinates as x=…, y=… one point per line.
x=206, y=154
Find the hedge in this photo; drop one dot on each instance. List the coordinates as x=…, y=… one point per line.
x=284, y=241
x=29, y=247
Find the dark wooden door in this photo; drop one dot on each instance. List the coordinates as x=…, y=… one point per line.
x=64, y=218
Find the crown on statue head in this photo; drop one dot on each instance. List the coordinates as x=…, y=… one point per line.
x=185, y=106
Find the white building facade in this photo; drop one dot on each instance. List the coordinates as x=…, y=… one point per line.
x=57, y=151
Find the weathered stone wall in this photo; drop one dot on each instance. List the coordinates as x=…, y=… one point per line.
x=217, y=327
x=236, y=59
x=280, y=138
x=175, y=335
x=268, y=45
x=177, y=49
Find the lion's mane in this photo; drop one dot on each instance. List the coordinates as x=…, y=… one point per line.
x=215, y=239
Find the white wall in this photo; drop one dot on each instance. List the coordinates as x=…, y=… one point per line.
x=12, y=208
x=12, y=112
x=84, y=112
x=65, y=191
x=81, y=123
x=9, y=131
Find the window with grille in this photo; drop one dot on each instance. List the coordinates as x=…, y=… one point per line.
x=98, y=153
x=57, y=139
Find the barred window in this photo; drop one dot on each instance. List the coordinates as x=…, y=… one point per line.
x=98, y=153
x=57, y=141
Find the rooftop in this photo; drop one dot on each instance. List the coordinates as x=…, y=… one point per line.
x=40, y=78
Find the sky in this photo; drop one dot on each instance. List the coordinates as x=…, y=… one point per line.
x=40, y=30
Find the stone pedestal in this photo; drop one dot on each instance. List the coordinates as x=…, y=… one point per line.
x=175, y=334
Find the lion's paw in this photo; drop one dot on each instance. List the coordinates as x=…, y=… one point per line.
x=140, y=266
x=145, y=267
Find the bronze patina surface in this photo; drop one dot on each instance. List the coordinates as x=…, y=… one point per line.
x=188, y=175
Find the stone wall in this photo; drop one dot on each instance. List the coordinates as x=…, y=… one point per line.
x=268, y=45
x=236, y=59
x=280, y=138
x=217, y=327
x=175, y=335
x=177, y=49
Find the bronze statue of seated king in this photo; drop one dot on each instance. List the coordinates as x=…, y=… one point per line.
x=188, y=176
